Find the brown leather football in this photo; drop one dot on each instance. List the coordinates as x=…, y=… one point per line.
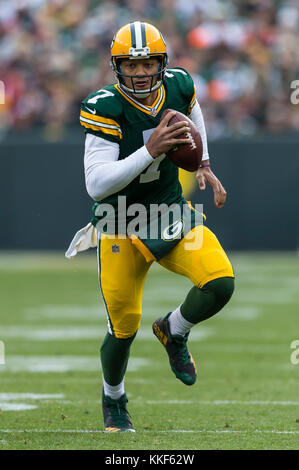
x=186, y=156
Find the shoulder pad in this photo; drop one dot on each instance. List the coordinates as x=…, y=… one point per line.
x=184, y=83
x=100, y=114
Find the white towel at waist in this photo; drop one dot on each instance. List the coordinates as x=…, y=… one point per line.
x=84, y=239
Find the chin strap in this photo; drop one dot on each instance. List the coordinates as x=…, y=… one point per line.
x=137, y=94
x=141, y=95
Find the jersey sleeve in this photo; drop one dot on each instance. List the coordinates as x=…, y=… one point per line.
x=100, y=116
x=185, y=85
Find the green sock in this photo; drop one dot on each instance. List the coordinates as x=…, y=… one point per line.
x=115, y=354
x=203, y=303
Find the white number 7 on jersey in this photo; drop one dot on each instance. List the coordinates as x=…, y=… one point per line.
x=152, y=173
x=104, y=94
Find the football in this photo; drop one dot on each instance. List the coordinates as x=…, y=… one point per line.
x=186, y=156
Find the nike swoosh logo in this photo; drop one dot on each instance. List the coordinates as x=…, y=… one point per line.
x=93, y=111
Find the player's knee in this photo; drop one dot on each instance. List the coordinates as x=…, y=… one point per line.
x=222, y=289
x=127, y=326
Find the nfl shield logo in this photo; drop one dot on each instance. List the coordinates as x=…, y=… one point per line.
x=154, y=112
x=115, y=248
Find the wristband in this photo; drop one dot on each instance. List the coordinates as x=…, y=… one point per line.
x=203, y=165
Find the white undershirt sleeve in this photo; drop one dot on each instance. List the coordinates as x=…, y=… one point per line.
x=197, y=117
x=104, y=173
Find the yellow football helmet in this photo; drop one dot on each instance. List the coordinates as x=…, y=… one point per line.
x=138, y=40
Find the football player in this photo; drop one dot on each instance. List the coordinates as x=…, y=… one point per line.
x=126, y=142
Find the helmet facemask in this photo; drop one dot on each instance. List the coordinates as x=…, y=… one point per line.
x=154, y=85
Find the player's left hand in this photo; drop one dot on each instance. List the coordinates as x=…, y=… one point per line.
x=205, y=175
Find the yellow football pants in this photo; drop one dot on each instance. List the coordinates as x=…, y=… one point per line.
x=123, y=269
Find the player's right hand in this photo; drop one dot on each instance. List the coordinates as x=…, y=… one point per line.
x=164, y=137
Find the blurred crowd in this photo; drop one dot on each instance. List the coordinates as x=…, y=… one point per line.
x=243, y=56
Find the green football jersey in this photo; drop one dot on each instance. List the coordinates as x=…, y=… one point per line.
x=112, y=114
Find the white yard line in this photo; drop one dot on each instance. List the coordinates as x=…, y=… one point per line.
x=190, y=402
x=241, y=313
x=53, y=332
x=266, y=296
x=4, y=406
x=203, y=431
x=219, y=402
x=67, y=312
x=8, y=397
x=30, y=396
x=62, y=364
x=69, y=332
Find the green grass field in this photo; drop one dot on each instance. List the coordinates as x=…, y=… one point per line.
x=52, y=324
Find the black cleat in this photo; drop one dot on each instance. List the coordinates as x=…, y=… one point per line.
x=115, y=414
x=180, y=360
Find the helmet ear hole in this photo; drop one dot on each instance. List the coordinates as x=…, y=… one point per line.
x=118, y=66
